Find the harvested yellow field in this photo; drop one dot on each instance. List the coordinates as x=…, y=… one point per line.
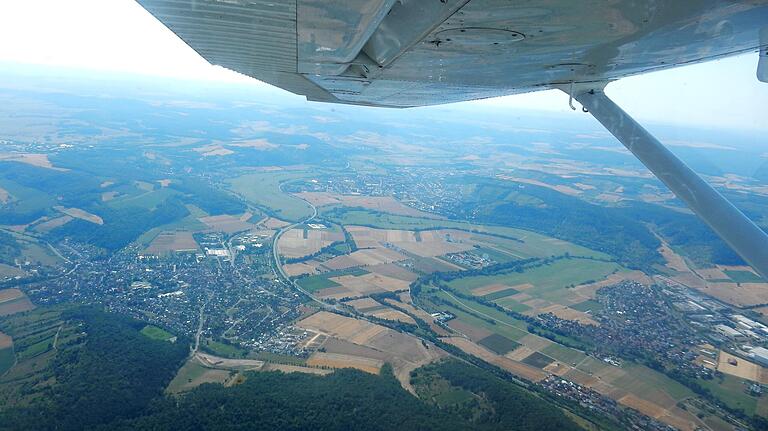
x=346, y=328
x=5, y=341
x=385, y=204
x=520, y=353
x=743, y=368
x=337, y=360
x=365, y=257
x=300, y=242
x=10, y=295
x=679, y=419
x=371, y=307
x=382, y=282
x=108, y=196
x=14, y=301
x=39, y=160
x=352, y=286
x=535, y=342
x=560, y=188
x=81, y=214
x=394, y=271
x=52, y=224
x=746, y=294
x=294, y=269
x=226, y=223
x=426, y=243
x=421, y=314
x=273, y=223
x=363, y=304
x=167, y=242
x=213, y=150
x=712, y=273
x=474, y=333
x=405, y=352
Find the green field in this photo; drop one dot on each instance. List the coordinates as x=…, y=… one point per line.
x=731, y=391
x=548, y=280
x=533, y=245
x=538, y=360
x=566, y=355
x=193, y=374
x=499, y=344
x=316, y=282
x=504, y=324
x=145, y=199
x=647, y=382
x=27, y=199
x=500, y=294
x=588, y=306
x=277, y=358
x=7, y=358
x=156, y=333
x=743, y=276
x=512, y=329
x=512, y=305
x=263, y=189
x=321, y=281
x=222, y=349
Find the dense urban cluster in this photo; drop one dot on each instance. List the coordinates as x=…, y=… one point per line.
x=226, y=292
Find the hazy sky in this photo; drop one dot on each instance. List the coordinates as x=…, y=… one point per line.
x=118, y=35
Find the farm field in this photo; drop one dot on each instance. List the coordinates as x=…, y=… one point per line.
x=14, y=301
x=81, y=214
x=156, y=333
x=7, y=355
x=348, y=336
x=168, y=242
x=732, y=391
x=374, y=308
x=551, y=288
x=300, y=242
x=504, y=341
x=385, y=204
x=10, y=271
x=190, y=223
x=532, y=245
x=743, y=369
x=194, y=374
x=229, y=223
x=546, y=281
x=263, y=190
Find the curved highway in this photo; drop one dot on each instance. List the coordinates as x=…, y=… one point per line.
x=278, y=263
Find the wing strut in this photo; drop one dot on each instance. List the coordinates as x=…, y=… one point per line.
x=744, y=236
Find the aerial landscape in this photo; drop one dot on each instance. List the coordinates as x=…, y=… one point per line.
x=171, y=257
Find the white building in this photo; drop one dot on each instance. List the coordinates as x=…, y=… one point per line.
x=760, y=355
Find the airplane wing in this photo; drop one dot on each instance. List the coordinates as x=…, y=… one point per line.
x=404, y=53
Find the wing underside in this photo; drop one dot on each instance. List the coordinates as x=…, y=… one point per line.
x=404, y=53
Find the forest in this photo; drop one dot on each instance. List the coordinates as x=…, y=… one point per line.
x=114, y=374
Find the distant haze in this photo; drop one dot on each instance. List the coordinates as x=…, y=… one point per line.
x=118, y=35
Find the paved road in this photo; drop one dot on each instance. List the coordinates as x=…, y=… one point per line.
x=278, y=262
